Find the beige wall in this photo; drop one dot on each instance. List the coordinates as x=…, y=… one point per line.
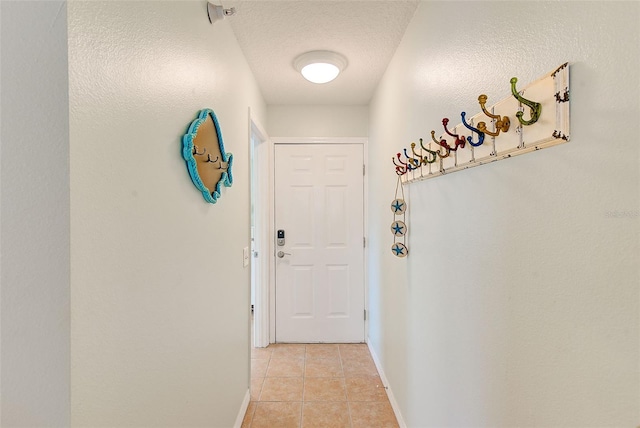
x=160, y=299
x=34, y=215
x=317, y=121
x=518, y=304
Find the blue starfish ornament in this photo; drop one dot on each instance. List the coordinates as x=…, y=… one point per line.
x=399, y=250
x=398, y=228
x=398, y=206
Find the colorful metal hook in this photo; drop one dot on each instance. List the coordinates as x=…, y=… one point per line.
x=412, y=161
x=441, y=143
x=460, y=142
x=413, y=150
x=400, y=170
x=415, y=162
x=472, y=129
x=502, y=123
x=431, y=152
x=536, y=108
x=406, y=165
x=425, y=159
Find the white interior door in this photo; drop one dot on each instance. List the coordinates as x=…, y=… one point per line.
x=319, y=191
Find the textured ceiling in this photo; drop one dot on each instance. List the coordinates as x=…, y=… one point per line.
x=272, y=33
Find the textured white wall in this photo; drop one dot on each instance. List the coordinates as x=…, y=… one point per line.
x=160, y=307
x=518, y=304
x=34, y=226
x=317, y=121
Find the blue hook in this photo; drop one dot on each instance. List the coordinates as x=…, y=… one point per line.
x=471, y=128
x=408, y=166
x=416, y=163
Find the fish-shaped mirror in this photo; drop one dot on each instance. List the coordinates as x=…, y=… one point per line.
x=208, y=164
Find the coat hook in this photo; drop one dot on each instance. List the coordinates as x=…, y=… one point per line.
x=460, y=142
x=536, y=108
x=209, y=158
x=400, y=170
x=425, y=159
x=472, y=129
x=415, y=162
x=502, y=123
x=441, y=143
x=408, y=166
x=195, y=151
x=431, y=152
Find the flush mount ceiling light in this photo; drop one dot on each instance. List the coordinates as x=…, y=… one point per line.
x=320, y=66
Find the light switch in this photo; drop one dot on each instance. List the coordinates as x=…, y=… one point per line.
x=245, y=256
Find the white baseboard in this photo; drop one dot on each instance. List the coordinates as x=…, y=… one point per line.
x=243, y=410
x=385, y=382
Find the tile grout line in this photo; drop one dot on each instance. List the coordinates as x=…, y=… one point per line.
x=264, y=380
x=258, y=398
x=304, y=376
x=344, y=376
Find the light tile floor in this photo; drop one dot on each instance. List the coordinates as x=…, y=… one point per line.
x=316, y=385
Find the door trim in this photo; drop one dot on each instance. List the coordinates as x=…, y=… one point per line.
x=272, y=230
x=262, y=168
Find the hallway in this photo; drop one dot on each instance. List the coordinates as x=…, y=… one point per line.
x=125, y=295
x=316, y=385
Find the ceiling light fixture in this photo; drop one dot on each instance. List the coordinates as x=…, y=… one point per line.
x=320, y=66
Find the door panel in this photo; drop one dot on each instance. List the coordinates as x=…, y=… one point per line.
x=303, y=291
x=320, y=278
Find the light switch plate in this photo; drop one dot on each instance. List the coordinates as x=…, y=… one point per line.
x=245, y=256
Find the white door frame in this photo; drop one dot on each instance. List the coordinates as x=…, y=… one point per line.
x=271, y=292
x=261, y=149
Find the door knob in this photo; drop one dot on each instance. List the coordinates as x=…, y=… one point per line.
x=281, y=254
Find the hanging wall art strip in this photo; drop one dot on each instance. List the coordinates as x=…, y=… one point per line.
x=399, y=224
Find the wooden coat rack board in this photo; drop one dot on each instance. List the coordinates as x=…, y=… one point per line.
x=532, y=118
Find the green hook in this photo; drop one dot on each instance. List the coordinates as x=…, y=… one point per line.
x=536, y=108
x=425, y=159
